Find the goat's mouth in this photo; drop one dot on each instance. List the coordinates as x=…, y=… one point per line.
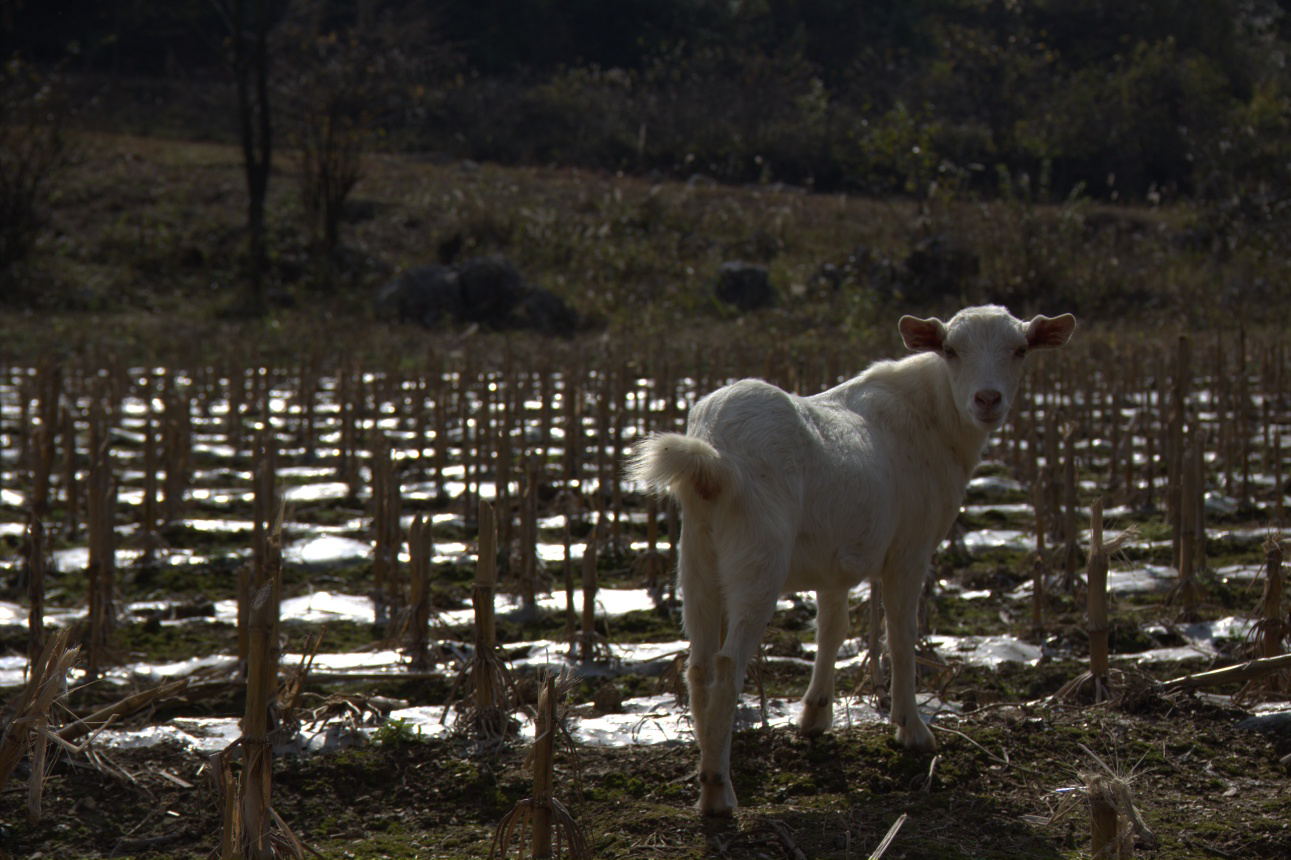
x=988, y=419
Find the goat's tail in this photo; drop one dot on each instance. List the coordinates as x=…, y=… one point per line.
x=671, y=462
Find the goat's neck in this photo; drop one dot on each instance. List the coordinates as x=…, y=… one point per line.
x=967, y=445
x=964, y=438
x=926, y=399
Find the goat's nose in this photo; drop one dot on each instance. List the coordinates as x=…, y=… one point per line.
x=987, y=399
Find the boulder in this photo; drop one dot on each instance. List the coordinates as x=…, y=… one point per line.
x=427, y=295
x=486, y=291
x=745, y=285
x=543, y=311
x=491, y=288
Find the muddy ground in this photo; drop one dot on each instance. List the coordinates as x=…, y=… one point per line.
x=1007, y=782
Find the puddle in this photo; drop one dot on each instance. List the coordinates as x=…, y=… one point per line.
x=986, y=540
x=324, y=492
x=988, y=651
x=1203, y=640
x=326, y=549
x=642, y=721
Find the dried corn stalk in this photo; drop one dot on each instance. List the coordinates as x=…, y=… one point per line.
x=420, y=551
x=485, y=711
x=542, y=823
x=1095, y=684
x=252, y=829
x=30, y=709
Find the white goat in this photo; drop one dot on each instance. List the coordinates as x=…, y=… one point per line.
x=786, y=493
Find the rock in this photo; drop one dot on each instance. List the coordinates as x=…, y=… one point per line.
x=543, y=311
x=486, y=291
x=427, y=295
x=491, y=288
x=745, y=285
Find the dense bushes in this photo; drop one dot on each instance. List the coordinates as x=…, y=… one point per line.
x=33, y=148
x=1123, y=100
x=1107, y=98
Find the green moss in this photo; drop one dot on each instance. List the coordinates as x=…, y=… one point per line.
x=151, y=641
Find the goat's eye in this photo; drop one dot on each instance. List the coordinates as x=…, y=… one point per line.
x=949, y=352
x=1020, y=352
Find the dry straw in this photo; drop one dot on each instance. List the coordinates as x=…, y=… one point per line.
x=591, y=644
x=1271, y=628
x=388, y=596
x=485, y=712
x=1114, y=821
x=541, y=826
x=888, y=838
x=252, y=829
x=1270, y=631
x=36, y=542
x=651, y=566
x=27, y=729
x=148, y=507
x=101, y=518
x=1189, y=534
x=177, y=444
x=420, y=552
x=1039, y=563
x=1095, y=684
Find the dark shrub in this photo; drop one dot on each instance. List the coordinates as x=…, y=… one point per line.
x=491, y=289
x=543, y=311
x=745, y=285
x=427, y=295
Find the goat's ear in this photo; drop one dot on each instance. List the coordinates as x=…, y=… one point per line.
x=922, y=335
x=1050, y=332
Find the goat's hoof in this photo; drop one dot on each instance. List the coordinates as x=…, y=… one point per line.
x=716, y=797
x=817, y=718
x=917, y=737
x=717, y=812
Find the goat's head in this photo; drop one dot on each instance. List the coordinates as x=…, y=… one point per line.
x=984, y=349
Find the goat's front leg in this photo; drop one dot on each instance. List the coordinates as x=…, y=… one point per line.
x=831, y=630
x=901, y=604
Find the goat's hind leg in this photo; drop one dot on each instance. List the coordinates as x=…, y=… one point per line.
x=831, y=630
x=749, y=606
x=702, y=615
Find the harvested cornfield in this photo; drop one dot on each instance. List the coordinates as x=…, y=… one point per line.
x=291, y=640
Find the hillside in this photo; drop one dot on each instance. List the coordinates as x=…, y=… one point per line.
x=147, y=234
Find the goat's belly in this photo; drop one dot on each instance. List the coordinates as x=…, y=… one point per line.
x=815, y=567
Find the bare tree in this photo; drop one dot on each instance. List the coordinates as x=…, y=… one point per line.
x=249, y=24
x=345, y=80
x=33, y=148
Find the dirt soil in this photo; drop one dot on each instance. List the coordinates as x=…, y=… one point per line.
x=1007, y=782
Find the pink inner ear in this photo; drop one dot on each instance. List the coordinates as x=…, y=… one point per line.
x=1048, y=333
x=921, y=335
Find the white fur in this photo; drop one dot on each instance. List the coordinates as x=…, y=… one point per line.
x=787, y=493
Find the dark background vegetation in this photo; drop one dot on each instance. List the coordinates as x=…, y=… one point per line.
x=1124, y=99
x=1145, y=103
